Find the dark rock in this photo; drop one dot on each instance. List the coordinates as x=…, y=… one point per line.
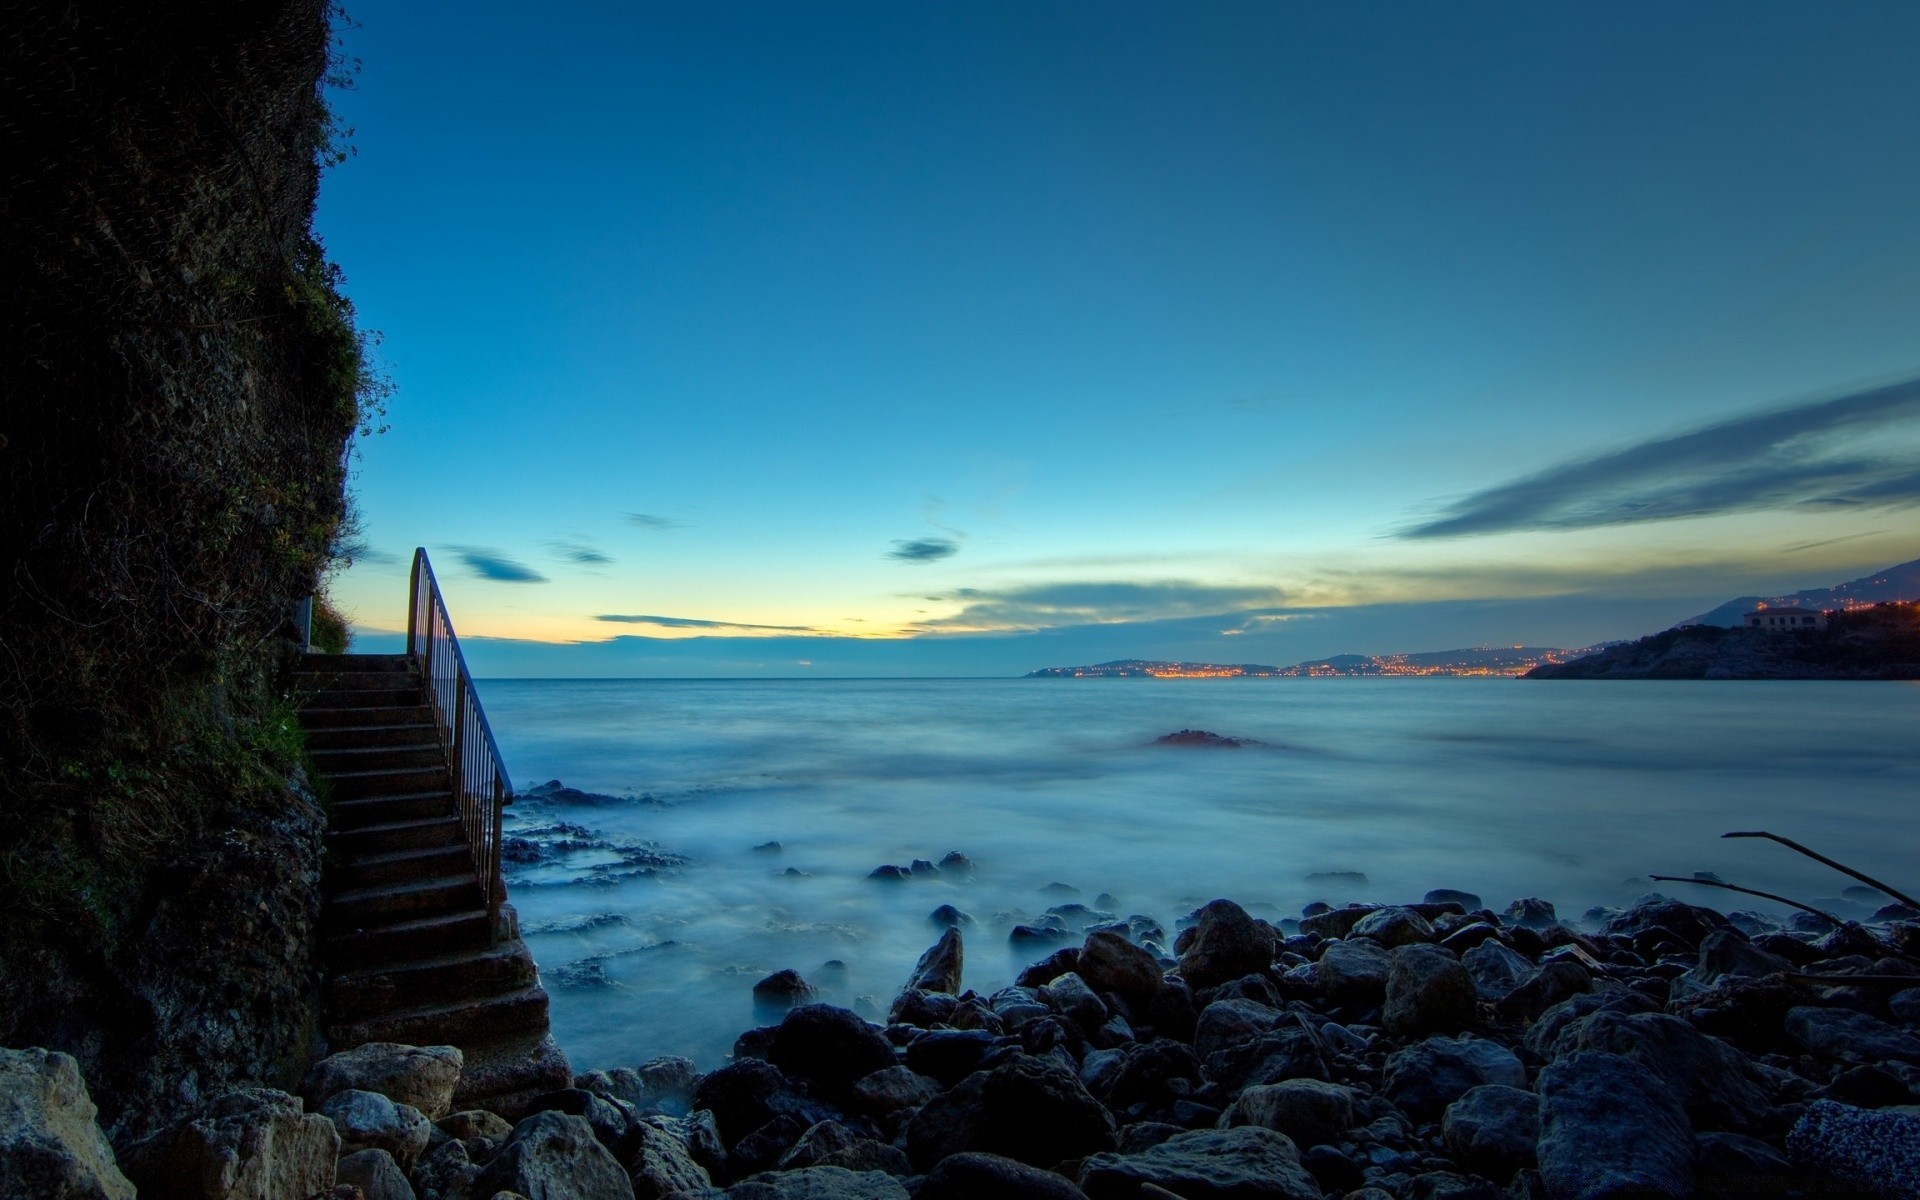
x=1353, y=973
x=1050, y=968
x=1203, y=739
x=1144, y=1072
x=948, y=917
x=830, y=1048
x=1144, y=1135
x=1849, y=1036
x=608, y=1122
x=1227, y=944
x=816, y=1143
x=1393, y=927
x=1031, y=1109
x=660, y=1164
x=1428, y=991
x=1227, y=1023
x=975, y=1176
x=1070, y=996
x=1726, y=954
x=1192, y=1114
x=952, y=1122
x=1172, y=1011
x=1871, y=1086
x=1467, y=901
x=890, y=872
x=939, y=968
x=1111, y=963
x=763, y=1149
x=1335, y=922
x=698, y=1132
x=1466, y=937
x=554, y=1154
x=1309, y=1111
x=660, y=1085
x=1257, y=988
x=1716, y=1083
x=743, y=1096
x=1056, y=888
x=1878, y=1151
x=1449, y=1185
x=955, y=861
x=923, y=867
x=1248, y=1163
x=1493, y=1129
x=1555, y=1021
x=1496, y=969
x=1287, y=1052
x=1730, y=1164
x=950, y=1055
x=1330, y=1167
x=922, y=1009
x=817, y=1183
x=1689, y=922
x=1609, y=1127
x=373, y=1173
x=1530, y=913
x=768, y=848
x=1423, y=1079
x=1554, y=983
x=893, y=1090
x=754, y=1043
x=783, y=990
x=1038, y=935
x=1905, y=1005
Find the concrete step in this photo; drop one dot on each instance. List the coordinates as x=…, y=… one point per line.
x=488, y=1019
x=388, y=867
x=468, y=975
x=366, y=736
x=407, y=941
x=353, y=681
x=357, y=663
x=381, y=693
x=385, y=904
x=354, y=815
x=505, y=1075
x=404, y=756
x=377, y=783
x=392, y=837
x=317, y=718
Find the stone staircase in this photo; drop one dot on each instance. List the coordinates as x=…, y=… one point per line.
x=412, y=954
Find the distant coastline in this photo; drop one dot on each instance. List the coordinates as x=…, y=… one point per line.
x=1877, y=642
x=1478, y=661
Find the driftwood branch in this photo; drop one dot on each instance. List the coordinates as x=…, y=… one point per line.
x=1734, y=887
x=1843, y=868
x=1894, y=981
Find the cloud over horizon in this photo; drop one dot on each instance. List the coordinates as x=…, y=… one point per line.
x=579, y=553
x=656, y=523
x=923, y=550
x=495, y=566
x=1050, y=605
x=1823, y=454
x=697, y=623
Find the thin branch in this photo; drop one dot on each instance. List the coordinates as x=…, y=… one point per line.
x=1899, y=981
x=1733, y=887
x=1843, y=868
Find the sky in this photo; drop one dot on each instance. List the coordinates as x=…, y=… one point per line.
x=964, y=339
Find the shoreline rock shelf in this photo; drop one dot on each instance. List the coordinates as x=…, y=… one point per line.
x=1429, y=1051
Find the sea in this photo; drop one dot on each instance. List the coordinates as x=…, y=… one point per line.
x=707, y=833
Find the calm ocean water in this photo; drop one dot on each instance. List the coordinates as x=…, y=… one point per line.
x=654, y=913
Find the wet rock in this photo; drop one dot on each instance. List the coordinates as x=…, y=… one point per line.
x=831, y=1144
x=1203, y=739
x=420, y=1076
x=829, y=1047
x=951, y=1122
x=376, y=1175
x=1335, y=922
x=1467, y=901
x=1530, y=913
x=1309, y=1111
x=50, y=1143
x=1227, y=944
x=1557, y=1020
x=1609, y=1127
x=1050, y=968
x=956, y=862
x=1496, y=969
x=1147, y=1073
x=1353, y=973
x=948, y=917
x=696, y=1132
x=1038, y=1112
x=606, y=1117
x=1248, y=1163
x=1038, y=934
x=975, y=1176
x=1286, y=1052
x=1393, y=927
x=368, y=1120
x=1716, y=1083
x=1465, y=937
x=819, y=1183
x=890, y=872
x=743, y=1096
x=762, y=1149
x=1905, y=1005
x=1428, y=991
x=253, y=1141
x=939, y=968
x=1731, y=1164
x=475, y=1123
x=555, y=1156
x=1725, y=954
x=893, y=1089
x=1070, y=996
x=782, y=990
x=1879, y=1151
x=1688, y=922
x=1423, y=1079
x=1493, y=1129
x=1848, y=1036
x=1226, y=1023
x=1111, y=963
x=659, y=1085
x=922, y=1009
x=950, y=1055
x=1554, y=983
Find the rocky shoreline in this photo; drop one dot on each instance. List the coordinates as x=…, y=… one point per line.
x=1428, y=1051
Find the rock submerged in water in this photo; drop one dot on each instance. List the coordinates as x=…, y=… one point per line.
x=1203, y=739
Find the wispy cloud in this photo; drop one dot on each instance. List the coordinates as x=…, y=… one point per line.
x=493, y=565
x=1050, y=605
x=697, y=623
x=1824, y=454
x=656, y=523
x=579, y=553
x=923, y=550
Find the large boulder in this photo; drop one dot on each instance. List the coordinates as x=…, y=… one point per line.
x=746, y=1094
x=1717, y=1083
x=1424, y=1078
x=818, y=1183
x=659, y=1164
x=830, y=1047
x=892, y=1090
x=1309, y=1111
x=1725, y=954
x=370, y=1121
x=659, y=1085
x=554, y=1156
x=1496, y=968
x=1226, y=1023
x=1353, y=973
x=1227, y=943
x=940, y=967
x=1878, y=1152
x=1608, y=1128
x=1394, y=926
x=1034, y=1110
x=1111, y=963
x=244, y=1144
x=421, y=1076
x=1493, y=1129
x=1428, y=991
x=1247, y=1163
x=376, y=1175
x=50, y=1144
x=1849, y=1036
x=974, y=1176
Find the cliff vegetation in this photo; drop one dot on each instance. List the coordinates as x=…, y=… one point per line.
x=1880, y=642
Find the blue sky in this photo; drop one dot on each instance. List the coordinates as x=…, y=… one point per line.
x=963, y=339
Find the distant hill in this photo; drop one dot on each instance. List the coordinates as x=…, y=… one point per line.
x=1878, y=642
x=1893, y=583
x=1478, y=660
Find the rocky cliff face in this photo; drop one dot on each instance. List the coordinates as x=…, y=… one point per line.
x=1882, y=642
x=181, y=379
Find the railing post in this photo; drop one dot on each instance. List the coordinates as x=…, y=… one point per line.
x=413, y=604
x=496, y=885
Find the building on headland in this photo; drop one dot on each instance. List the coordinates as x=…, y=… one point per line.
x=1787, y=619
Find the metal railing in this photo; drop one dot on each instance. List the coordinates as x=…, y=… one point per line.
x=480, y=784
